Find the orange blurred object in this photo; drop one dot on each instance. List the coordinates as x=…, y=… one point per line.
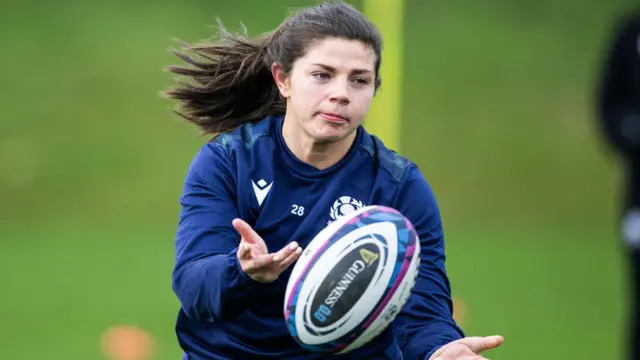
x=459, y=311
x=127, y=343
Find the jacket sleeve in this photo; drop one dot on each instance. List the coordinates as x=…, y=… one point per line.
x=617, y=113
x=426, y=321
x=207, y=277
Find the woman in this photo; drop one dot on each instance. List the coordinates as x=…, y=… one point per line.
x=288, y=156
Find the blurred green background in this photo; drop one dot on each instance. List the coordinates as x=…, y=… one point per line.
x=497, y=112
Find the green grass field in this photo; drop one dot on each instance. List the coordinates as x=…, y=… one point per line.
x=496, y=111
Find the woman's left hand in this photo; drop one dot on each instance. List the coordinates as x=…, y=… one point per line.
x=468, y=348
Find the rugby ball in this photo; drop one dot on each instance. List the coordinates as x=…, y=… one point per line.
x=352, y=280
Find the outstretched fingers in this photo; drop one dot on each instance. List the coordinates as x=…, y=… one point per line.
x=248, y=234
x=286, y=251
x=290, y=258
x=478, y=344
x=270, y=265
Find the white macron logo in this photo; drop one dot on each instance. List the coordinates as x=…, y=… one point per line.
x=261, y=189
x=343, y=206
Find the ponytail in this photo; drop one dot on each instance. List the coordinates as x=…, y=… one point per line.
x=231, y=84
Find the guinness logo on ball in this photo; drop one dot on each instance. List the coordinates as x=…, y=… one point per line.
x=344, y=285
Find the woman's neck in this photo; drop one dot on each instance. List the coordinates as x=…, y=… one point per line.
x=306, y=149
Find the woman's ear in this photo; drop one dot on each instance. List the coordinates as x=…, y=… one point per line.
x=281, y=79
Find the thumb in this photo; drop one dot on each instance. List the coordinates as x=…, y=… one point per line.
x=248, y=234
x=478, y=344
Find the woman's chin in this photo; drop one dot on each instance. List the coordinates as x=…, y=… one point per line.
x=325, y=135
x=328, y=131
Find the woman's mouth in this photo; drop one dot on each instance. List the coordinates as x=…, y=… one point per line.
x=334, y=118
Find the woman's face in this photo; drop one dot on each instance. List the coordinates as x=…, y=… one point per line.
x=329, y=90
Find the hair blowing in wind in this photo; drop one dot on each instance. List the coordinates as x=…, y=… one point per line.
x=231, y=81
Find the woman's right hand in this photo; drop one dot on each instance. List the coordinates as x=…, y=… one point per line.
x=255, y=259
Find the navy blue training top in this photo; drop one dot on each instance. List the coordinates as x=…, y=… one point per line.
x=250, y=173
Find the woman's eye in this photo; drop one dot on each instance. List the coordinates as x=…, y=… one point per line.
x=361, y=81
x=321, y=75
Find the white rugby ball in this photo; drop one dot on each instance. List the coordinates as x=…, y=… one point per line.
x=352, y=280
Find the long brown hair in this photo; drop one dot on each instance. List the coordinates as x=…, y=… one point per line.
x=232, y=81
